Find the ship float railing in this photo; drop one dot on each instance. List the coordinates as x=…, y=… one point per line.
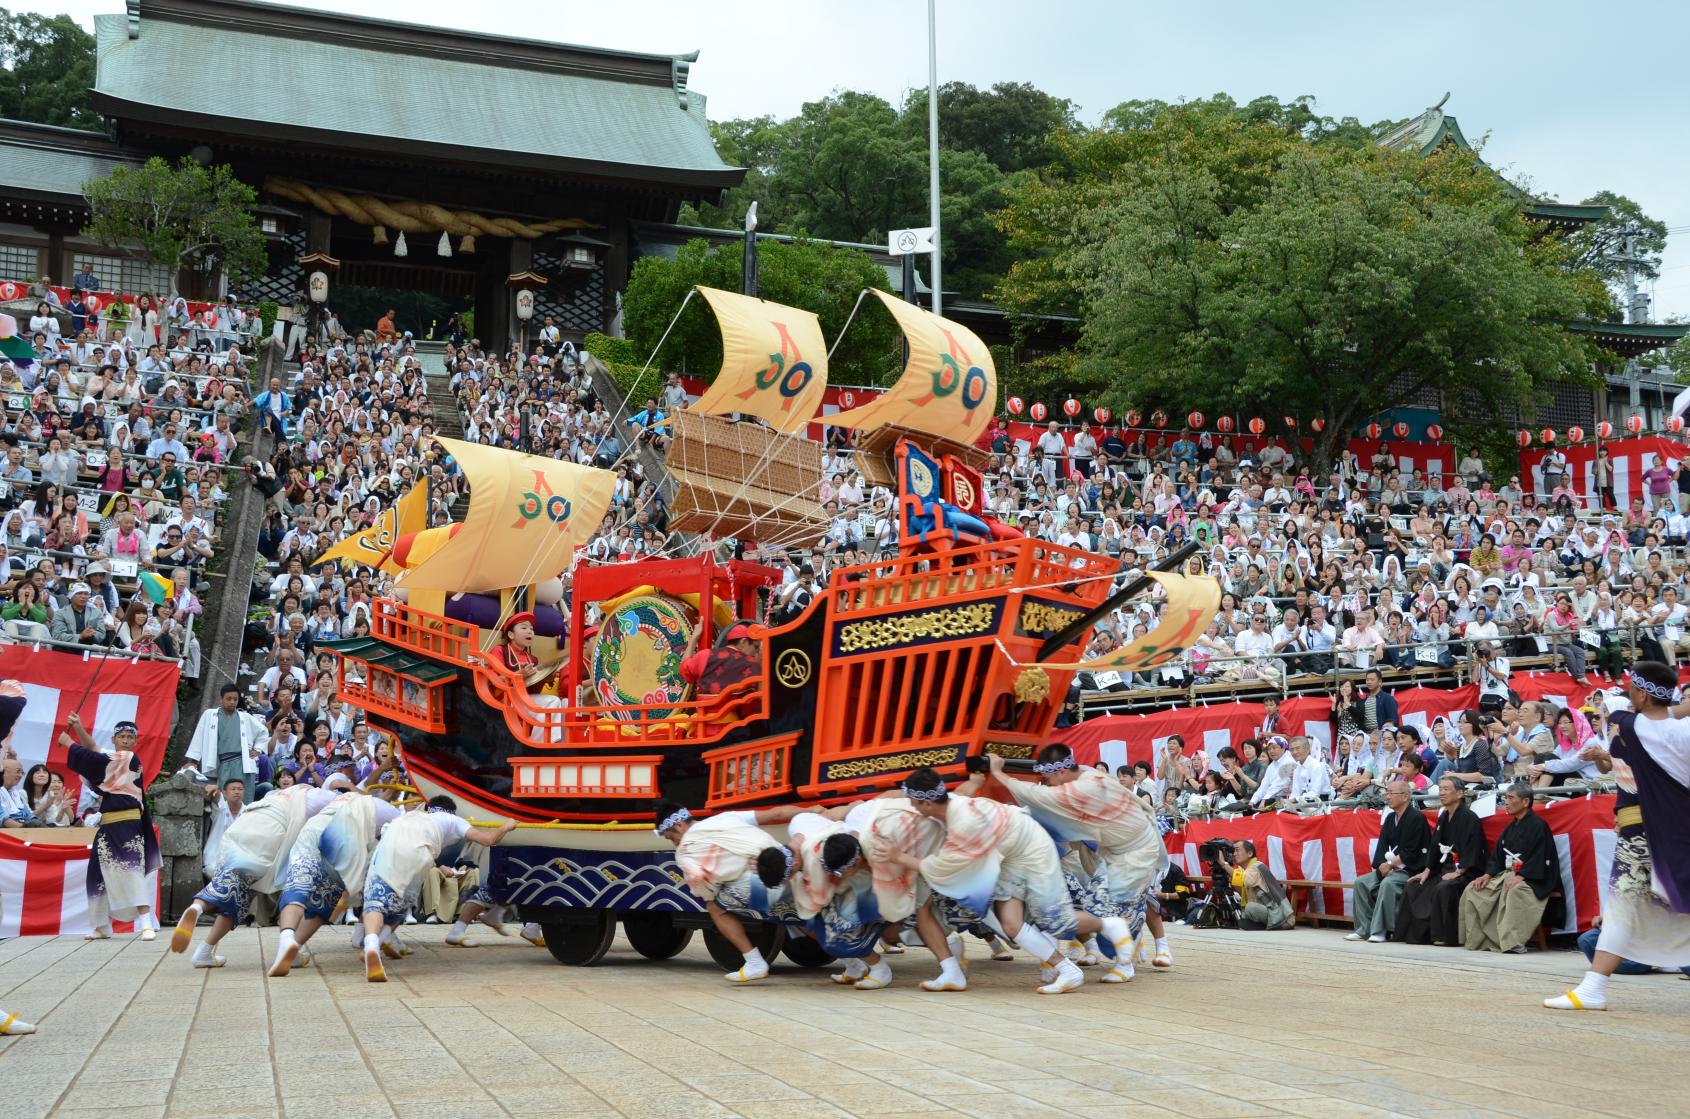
x=750, y=771
x=1002, y=564
x=555, y=723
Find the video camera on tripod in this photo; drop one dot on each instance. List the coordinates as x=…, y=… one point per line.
x=1222, y=909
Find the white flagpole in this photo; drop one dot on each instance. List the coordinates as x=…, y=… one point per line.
x=933, y=145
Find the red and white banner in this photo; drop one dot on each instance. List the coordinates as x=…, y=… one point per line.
x=1337, y=847
x=109, y=690
x=44, y=884
x=1125, y=739
x=12, y=290
x=1628, y=457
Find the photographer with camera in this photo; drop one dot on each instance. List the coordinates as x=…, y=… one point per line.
x=1265, y=905
x=1490, y=672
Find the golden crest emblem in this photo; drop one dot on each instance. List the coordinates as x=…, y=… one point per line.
x=793, y=668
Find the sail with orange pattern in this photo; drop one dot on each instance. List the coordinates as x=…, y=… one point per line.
x=527, y=515
x=774, y=362
x=948, y=385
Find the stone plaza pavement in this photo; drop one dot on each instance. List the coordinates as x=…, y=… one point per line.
x=1297, y=1023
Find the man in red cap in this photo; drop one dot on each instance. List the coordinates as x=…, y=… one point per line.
x=713, y=671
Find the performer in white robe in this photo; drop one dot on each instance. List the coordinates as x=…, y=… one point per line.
x=996, y=858
x=254, y=859
x=409, y=846
x=313, y=888
x=715, y=856
x=832, y=891
x=1646, y=918
x=1086, y=806
x=890, y=826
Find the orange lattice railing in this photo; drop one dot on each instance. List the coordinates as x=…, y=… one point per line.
x=750, y=771
x=999, y=566
x=632, y=775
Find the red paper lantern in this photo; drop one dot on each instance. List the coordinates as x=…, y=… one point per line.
x=1675, y=424
x=1524, y=439
x=1547, y=435
x=1434, y=432
x=1102, y=415
x=1604, y=430
x=1373, y=431
x=1317, y=425
x=1194, y=420
x=1290, y=422
x=848, y=399
x=1134, y=418
x=1400, y=429
x=1015, y=405
x=1575, y=434
x=1634, y=424
x=1257, y=425
x=93, y=302
x=10, y=290
x=1040, y=412
x=1224, y=424
x=1158, y=418
x=1071, y=406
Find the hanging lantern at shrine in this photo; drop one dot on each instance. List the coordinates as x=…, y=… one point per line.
x=1634, y=424
x=1675, y=424
x=1257, y=425
x=1158, y=418
x=1289, y=421
x=1194, y=420
x=1373, y=431
x=1133, y=418
x=1015, y=405
x=848, y=399
x=1575, y=434
x=1040, y=412
x=1317, y=425
x=1071, y=406
x=1604, y=430
x=1400, y=429
x=1546, y=436
x=1102, y=415
x=1224, y=424
x=1434, y=432
x=1524, y=439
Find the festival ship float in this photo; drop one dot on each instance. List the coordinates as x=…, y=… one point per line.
x=961, y=644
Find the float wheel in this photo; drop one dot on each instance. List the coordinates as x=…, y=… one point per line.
x=655, y=935
x=805, y=952
x=580, y=943
x=766, y=937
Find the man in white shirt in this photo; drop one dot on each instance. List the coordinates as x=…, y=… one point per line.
x=1312, y=780
x=1363, y=642
x=1670, y=614
x=1084, y=450
x=1054, y=448
x=1255, y=644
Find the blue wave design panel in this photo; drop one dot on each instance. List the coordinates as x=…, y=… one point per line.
x=641, y=881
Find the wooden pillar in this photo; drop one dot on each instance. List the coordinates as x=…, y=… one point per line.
x=521, y=260
x=317, y=233
x=58, y=263
x=616, y=269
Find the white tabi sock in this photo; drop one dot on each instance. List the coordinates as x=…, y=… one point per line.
x=754, y=961
x=949, y=969
x=372, y=942
x=1593, y=987
x=854, y=969
x=204, y=954
x=458, y=929
x=1037, y=942
x=1161, y=944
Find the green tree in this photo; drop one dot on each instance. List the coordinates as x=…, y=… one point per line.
x=1604, y=245
x=183, y=217
x=1227, y=262
x=1010, y=124
x=46, y=70
x=813, y=277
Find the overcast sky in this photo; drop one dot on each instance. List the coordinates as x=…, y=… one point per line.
x=1569, y=97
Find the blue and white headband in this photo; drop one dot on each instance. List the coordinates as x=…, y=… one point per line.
x=790, y=860
x=1655, y=691
x=676, y=818
x=937, y=794
x=1056, y=766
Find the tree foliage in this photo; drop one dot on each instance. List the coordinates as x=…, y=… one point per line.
x=1248, y=260
x=810, y=276
x=1603, y=246
x=186, y=216
x=853, y=167
x=46, y=70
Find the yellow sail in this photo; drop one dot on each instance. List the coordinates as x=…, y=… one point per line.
x=372, y=545
x=1193, y=602
x=774, y=362
x=948, y=386
x=527, y=515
